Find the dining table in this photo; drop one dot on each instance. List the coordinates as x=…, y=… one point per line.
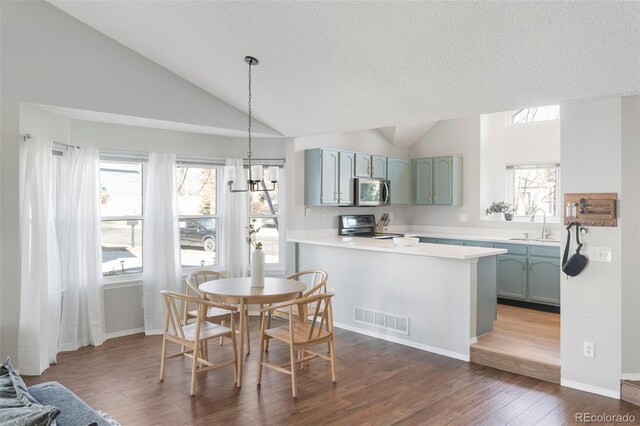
x=238, y=291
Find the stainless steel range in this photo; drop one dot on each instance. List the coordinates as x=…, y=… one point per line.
x=361, y=225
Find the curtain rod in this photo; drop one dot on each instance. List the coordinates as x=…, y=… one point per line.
x=28, y=136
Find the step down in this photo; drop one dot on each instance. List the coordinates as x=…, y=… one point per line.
x=630, y=391
x=542, y=368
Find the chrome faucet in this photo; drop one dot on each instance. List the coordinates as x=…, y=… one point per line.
x=545, y=232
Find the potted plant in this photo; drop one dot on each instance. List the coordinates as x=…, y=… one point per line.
x=498, y=207
x=257, y=257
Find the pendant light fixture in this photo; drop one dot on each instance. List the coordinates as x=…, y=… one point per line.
x=255, y=171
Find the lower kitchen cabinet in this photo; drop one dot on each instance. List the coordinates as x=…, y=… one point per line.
x=544, y=280
x=512, y=276
x=526, y=273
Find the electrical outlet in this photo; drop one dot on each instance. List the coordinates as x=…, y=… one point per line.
x=589, y=349
x=332, y=290
x=307, y=211
x=600, y=254
x=323, y=218
x=464, y=217
x=391, y=216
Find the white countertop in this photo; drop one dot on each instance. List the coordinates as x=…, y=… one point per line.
x=388, y=246
x=493, y=239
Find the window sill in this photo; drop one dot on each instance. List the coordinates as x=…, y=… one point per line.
x=120, y=281
x=523, y=219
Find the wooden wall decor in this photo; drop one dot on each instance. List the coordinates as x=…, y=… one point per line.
x=591, y=209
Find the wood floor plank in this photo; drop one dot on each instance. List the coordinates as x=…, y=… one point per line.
x=379, y=383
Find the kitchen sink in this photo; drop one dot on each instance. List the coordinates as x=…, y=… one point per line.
x=539, y=240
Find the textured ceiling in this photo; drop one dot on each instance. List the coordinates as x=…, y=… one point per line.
x=339, y=66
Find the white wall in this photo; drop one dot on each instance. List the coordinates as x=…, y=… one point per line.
x=50, y=58
x=630, y=213
x=366, y=141
x=504, y=144
x=591, y=302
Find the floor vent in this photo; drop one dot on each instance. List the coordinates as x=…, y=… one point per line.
x=381, y=320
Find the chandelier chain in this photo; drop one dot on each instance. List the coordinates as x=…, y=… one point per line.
x=249, y=153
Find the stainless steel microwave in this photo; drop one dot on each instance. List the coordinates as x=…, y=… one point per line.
x=372, y=192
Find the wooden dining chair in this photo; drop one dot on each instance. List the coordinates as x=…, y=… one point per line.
x=316, y=282
x=300, y=335
x=194, y=279
x=194, y=337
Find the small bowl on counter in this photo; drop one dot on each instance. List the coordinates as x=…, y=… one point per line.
x=406, y=241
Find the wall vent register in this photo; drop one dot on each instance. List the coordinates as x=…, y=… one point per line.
x=387, y=321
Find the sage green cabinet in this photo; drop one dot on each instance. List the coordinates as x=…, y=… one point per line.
x=346, y=164
x=378, y=167
x=438, y=181
x=422, y=181
x=544, y=280
x=373, y=166
x=512, y=276
x=399, y=175
x=321, y=172
x=363, y=165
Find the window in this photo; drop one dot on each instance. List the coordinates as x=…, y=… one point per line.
x=198, y=208
x=121, y=217
x=533, y=186
x=535, y=114
x=265, y=208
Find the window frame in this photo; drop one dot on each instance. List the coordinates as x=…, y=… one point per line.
x=219, y=167
x=280, y=215
x=125, y=159
x=509, y=187
x=511, y=114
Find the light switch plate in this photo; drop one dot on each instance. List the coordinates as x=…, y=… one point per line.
x=600, y=254
x=463, y=217
x=307, y=211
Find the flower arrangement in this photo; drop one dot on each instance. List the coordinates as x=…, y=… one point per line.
x=498, y=207
x=252, y=239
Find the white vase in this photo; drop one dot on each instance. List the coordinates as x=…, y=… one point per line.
x=257, y=268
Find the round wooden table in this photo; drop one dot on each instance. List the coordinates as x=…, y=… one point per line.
x=239, y=291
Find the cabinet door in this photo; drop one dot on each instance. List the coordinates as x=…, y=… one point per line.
x=422, y=181
x=450, y=242
x=428, y=240
x=544, y=280
x=345, y=178
x=442, y=180
x=329, y=177
x=478, y=244
x=363, y=165
x=512, y=276
x=398, y=172
x=378, y=167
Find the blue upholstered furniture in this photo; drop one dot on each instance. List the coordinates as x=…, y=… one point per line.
x=45, y=404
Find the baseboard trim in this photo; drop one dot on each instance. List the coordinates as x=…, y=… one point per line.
x=590, y=388
x=631, y=376
x=405, y=342
x=473, y=340
x=123, y=333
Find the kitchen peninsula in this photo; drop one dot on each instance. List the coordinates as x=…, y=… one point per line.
x=438, y=298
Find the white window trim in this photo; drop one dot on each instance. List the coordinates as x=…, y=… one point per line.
x=509, y=118
x=280, y=267
x=119, y=158
x=219, y=167
x=556, y=218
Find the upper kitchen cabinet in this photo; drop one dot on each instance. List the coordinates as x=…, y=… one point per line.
x=328, y=177
x=438, y=181
x=373, y=166
x=363, y=165
x=346, y=164
x=399, y=175
x=378, y=167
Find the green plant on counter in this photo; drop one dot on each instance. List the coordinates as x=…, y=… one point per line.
x=498, y=207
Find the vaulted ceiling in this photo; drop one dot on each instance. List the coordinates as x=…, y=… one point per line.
x=331, y=67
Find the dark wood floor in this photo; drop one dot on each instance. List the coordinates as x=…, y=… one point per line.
x=378, y=383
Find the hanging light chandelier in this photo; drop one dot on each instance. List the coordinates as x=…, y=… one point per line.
x=256, y=178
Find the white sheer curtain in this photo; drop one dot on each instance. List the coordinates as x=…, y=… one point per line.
x=39, y=322
x=80, y=251
x=161, y=254
x=236, y=220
